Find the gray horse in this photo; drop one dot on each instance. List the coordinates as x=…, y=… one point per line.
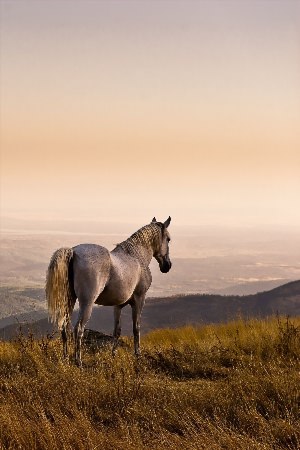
x=92, y=274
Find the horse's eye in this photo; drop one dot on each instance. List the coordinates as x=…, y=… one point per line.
x=168, y=239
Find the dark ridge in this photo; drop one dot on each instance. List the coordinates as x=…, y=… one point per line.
x=180, y=310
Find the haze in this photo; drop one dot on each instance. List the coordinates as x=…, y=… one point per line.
x=118, y=111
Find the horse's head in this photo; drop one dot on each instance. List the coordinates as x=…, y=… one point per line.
x=161, y=253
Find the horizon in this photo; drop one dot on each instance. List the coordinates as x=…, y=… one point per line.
x=19, y=224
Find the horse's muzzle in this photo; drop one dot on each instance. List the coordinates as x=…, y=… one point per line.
x=165, y=266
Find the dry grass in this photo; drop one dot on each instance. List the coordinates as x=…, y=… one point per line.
x=233, y=386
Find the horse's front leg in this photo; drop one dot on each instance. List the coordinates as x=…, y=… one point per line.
x=137, y=307
x=117, y=328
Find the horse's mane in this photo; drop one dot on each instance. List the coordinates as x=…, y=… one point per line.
x=147, y=236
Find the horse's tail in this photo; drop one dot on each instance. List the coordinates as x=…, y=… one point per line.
x=59, y=291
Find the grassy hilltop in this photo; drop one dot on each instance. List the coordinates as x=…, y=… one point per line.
x=233, y=386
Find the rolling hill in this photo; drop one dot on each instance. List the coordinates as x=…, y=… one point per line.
x=180, y=310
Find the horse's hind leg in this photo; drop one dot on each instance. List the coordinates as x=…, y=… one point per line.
x=117, y=328
x=66, y=333
x=85, y=312
x=64, y=336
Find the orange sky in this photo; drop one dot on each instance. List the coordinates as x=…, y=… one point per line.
x=118, y=110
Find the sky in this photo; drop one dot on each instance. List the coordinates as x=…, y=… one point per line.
x=122, y=110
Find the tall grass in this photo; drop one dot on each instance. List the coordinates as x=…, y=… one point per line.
x=233, y=386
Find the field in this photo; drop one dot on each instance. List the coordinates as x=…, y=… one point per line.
x=233, y=386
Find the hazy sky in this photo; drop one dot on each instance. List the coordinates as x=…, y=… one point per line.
x=121, y=110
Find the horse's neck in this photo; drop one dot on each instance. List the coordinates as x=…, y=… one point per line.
x=142, y=244
x=143, y=253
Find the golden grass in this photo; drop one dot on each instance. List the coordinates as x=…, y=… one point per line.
x=233, y=386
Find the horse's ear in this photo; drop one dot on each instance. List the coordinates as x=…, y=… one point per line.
x=154, y=220
x=167, y=222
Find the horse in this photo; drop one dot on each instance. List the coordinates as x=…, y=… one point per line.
x=94, y=275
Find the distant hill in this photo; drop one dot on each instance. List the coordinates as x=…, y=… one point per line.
x=21, y=303
x=251, y=287
x=180, y=310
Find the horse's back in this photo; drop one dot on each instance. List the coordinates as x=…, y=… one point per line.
x=90, y=252
x=91, y=268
